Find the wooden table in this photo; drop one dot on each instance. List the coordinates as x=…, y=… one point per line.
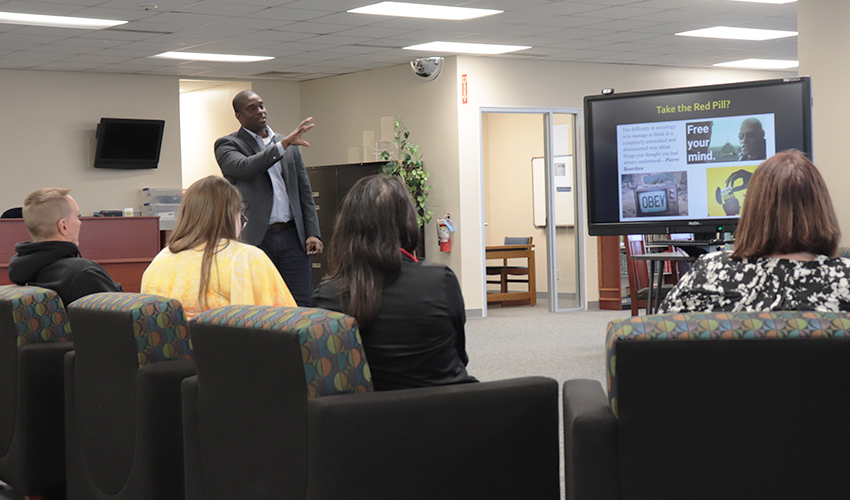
x=124, y=246
x=505, y=252
x=658, y=259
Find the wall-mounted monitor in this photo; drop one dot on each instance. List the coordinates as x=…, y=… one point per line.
x=128, y=143
x=679, y=160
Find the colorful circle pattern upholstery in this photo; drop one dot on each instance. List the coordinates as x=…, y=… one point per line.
x=160, y=326
x=719, y=326
x=38, y=314
x=331, y=349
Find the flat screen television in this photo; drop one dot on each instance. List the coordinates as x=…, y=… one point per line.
x=128, y=143
x=679, y=160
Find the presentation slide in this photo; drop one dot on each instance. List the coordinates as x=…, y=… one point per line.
x=686, y=169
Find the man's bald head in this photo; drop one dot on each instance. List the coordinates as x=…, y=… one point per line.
x=241, y=99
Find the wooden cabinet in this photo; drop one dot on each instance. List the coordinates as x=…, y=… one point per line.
x=330, y=184
x=124, y=246
x=612, y=286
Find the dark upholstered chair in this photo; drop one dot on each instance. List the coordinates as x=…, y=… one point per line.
x=122, y=397
x=714, y=406
x=34, y=336
x=13, y=213
x=282, y=408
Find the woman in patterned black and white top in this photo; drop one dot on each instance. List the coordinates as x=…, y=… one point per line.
x=784, y=245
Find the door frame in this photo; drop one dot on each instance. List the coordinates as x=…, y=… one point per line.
x=580, y=228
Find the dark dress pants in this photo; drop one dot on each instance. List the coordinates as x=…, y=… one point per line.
x=285, y=250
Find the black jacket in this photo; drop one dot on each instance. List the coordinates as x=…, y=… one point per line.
x=417, y=339
x=57, y=265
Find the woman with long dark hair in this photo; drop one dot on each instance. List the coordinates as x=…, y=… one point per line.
x=784, y=249
x=411, y=313
x=205, y=265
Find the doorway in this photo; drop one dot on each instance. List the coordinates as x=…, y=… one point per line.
x=206, y=114
x=531, y=177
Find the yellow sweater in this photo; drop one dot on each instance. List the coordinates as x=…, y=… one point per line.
x=239, y=274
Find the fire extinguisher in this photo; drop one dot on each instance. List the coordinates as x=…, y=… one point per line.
x=444, y=232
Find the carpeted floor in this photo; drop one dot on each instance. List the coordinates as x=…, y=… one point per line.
x=523, y=341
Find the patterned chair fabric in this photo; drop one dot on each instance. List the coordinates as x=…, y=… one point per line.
x=331, y=349
x=122, y=397
x=38, y=313
x=249, y=400
x=160, y=325
x=723, y=326
x=35, y=335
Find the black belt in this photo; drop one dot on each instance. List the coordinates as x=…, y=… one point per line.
x=280, y=226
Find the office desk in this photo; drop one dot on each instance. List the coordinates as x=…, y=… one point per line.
x=512, y=252
x=657, y=260
x=124, y=246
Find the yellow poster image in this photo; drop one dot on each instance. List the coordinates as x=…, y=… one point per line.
x=727, y=188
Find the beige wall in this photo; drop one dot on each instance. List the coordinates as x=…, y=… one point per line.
x=494, y=83
x=208, y=109
x=206, y=114
x=344, y=107
x=50, y=120
x=823, y=45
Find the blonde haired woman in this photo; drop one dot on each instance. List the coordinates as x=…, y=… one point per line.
x=205, y=265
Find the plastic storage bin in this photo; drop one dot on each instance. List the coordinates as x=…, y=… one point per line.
x=162, y=196
x=167, y=213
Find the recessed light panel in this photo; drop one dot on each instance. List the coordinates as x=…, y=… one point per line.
x=424, y=11
x=731, y=33
x=467, y=48
x=200, y=56
x=57, y=21
x=760, y=64
x=766, y=1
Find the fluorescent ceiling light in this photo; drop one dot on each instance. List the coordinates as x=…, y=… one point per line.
x=467, y=48
x=57, y=21
x=424, y=11
x=766, y=1
x=760, y=64
x=738, y=33
x=200, y=56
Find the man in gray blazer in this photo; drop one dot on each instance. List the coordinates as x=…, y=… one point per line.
x=268, y=171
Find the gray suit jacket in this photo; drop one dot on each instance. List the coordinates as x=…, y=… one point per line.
x=246, y=166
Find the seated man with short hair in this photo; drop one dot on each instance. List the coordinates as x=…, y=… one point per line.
x=52, y=260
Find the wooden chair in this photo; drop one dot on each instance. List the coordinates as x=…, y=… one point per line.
x=514, y=248
x=639, y=275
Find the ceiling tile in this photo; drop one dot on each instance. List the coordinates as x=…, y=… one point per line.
x=319, y=38
x=372, y=32
x=69, y=66
x=288, y=14
x=118, y=14
x=315, y=28
x=215, y=8
x=48, y=9
x=564, y=8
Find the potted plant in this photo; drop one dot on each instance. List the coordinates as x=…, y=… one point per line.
x=407, y=165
